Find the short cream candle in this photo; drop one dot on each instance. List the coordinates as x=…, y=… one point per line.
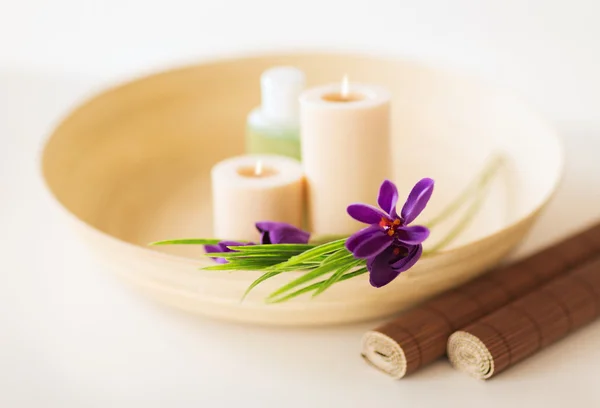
x=346, y=152
x=252, y=188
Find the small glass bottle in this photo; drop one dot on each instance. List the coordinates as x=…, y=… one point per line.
x=273, y=127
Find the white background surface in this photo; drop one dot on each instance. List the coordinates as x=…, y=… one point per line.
x=72, y=336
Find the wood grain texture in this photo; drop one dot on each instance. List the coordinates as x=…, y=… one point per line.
x=466, y=304
x=520, y=329
x=131, y=166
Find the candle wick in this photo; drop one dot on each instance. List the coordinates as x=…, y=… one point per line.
x=345, y=88
x=258, y=168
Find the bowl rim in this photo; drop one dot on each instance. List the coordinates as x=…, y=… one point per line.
x=124, y=83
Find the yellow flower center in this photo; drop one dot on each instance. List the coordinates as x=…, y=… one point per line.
x=390, y=226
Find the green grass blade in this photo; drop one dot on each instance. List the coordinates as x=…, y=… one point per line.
x=236, y=267
x=299, y=248
x=316, y=286
x=336, y=276
x=315, y=273
x=244, y=265
x=316, y=252
x=357, y=272
x=240, y=255
x=218, y=267
x=258, y=281
x=474, y=186
x=483, y=187
x=299, y=292
x=462, y=224
x=340, y=253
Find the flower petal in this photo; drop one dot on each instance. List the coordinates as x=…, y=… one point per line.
x=263, y=226
x=209, y=249
x=410, y=260
x=380, y=271
x=373, y=245
x=223, y=247
x=290, y=236
x=388, y=197
x=281, y=233
x=366, y=213
x=358, y=237
x=413, y=235
x=417, y=200
x=226, y=244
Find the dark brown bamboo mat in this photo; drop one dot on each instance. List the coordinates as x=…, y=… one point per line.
x=419, y=336
x=514, y=332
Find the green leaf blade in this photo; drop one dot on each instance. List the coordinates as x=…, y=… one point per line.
x=315, y=252
x=336, y=276
x=316, y=286
x=258, y=281
x=315, y=273
x=299, y=248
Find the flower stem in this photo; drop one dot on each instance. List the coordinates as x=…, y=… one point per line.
x=480, y=186
x=491, y=168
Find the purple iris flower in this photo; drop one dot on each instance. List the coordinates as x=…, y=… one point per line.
x=281, y=233
x=389, y=244
x=270, y=233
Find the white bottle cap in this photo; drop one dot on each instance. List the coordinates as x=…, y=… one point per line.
x=280, y=90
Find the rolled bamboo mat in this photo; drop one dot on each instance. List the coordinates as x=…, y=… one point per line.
x=523, y=327
x=420, y=336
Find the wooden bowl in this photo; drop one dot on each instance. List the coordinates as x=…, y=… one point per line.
x=132, y=166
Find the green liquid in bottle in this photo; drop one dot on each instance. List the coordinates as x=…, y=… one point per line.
x=285, y=142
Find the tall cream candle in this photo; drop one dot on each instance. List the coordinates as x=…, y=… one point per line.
x=346, y=152
x=252, y=188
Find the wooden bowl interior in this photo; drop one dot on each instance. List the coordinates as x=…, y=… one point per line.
x=134, y=162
